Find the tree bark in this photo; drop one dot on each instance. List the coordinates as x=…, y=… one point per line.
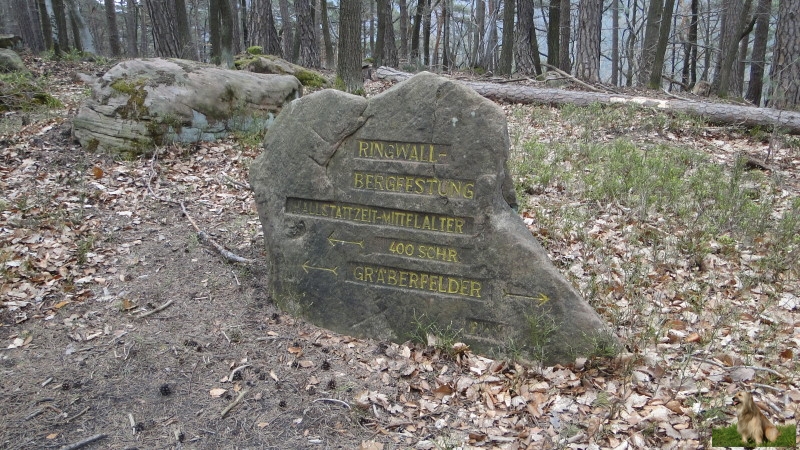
x=113, y=31
x=553, y=32
x=426, y=33
x=507, y=49
x=166, y=42
x=733, y=22
x=326, y=35
x=403, y=5
x=385, y=45
x=615, y=43
x=286, y=30
x=721, y=113
x=653, y=24
x=416, y=30
x=84, y=35
x=689, y=73
x=309, y=53
x=131, y=28
x=245, y=17
x=565, y=27
x=587, y=64
x=786, y=57
x=661, y=46
x=44, y=21
x=758, y=59
x=527, y=47
x=185, y=41
x=348, y=67
x=60, y=15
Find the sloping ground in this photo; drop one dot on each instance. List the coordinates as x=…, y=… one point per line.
x=91, y=248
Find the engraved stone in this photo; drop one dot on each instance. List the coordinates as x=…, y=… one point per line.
x=387, y=214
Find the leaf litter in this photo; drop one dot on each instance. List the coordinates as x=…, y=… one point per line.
x=86, y=250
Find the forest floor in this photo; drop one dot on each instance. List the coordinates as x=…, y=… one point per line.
x=88, y=257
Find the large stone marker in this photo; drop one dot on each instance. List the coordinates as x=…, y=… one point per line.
x=387, y=214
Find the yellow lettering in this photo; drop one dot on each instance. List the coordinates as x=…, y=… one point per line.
x=403, y=281
x=475, y=289
x=412, y=280
x=452, y=256
x=459, y=226
x=368, y=274
x=358, y=273
x=358, y=180
x=452, y=286
x=362, y=149
x=469, y=190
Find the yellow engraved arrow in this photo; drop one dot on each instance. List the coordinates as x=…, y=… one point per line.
x=334, y=241
x=306, y=267
x=541, y=298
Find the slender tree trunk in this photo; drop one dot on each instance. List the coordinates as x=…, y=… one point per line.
x=615, y=42
x=76, y=34
x=372, y=27
x=326, y=35
x=185, y=41
x=131, y=28
x=480, y=27
x=113, y=32
x=416, y=30
x=143, y=44
x=565, y=25
x=758, y=59
x=244, y=19
x=348, y=67
x=309, y=53
x=286, y=30
x=507, y=49
x=47, y=28
x=214, y=31
x=385, y=46
x=426, y=34
x=661, y=47
x=527, y=48
x=689, y=73
x=84, y=38
x=785, y=71
x=553, y=32
x=403, y=5
x=446, y=18
x=59, y=13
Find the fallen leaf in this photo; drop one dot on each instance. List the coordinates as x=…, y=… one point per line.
x=97, y=172
x=217, y=392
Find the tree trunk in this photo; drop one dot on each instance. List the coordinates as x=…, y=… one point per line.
x=758, y=59
x=113, y=31
x=185, y=41
x=786, y=57
x=309, y=53
x=76, y=36
x=372, y=26
x=245, y=18
x=661, y=46
x=527, y=48
x=403, y=5
x=326, y=35
x=446, y=19
x=721, y=113
x=162, y=21
x=61, y=24
x=286, y=30
x=348, y=67
x=426, y=34
x=261, y=26
x=651, y=33
x=385, y=46
x=565, y=26
x=553, y=32
x=615, y=42
x=733, y=23
x=416, y=30
x=507, y=49
x=587, y=64
x=480, y=27
x=47, y=29
x=490, y=37
x=84, y=35
x=689, y=73
x=131, y=28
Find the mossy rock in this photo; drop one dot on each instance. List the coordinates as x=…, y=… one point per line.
x=273, y=65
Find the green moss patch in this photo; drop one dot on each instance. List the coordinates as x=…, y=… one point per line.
x=134, y=89
x=22, y=92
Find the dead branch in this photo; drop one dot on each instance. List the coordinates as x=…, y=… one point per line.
x=566, y=75
x=233, y=372
x=160, y=308
x=208, y=240
x=84, y=442
x=235, y=402
x=70, y=419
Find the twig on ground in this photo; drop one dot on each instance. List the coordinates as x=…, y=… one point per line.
x=235, y=402
x=34, y=414
x=84, y=442
x=160, y=308
x=237, y=183
x=133, y=423
x=70, y=419
x=233, y=372
x=333, y=400
x=207, y=239
x=235, y=278
x=677, y=96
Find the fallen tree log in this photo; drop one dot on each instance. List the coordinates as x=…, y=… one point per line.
x=720, y=113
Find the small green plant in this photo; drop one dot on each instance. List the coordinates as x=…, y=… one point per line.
x=541, y=328
x=85, y=245
x=425, y=331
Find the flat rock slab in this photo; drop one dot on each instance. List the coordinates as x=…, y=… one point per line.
x=141, y=103
x=391, y=216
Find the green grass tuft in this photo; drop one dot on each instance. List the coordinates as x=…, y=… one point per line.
x=729, y=437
